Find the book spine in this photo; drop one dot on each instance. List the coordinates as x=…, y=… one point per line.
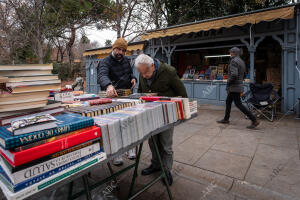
x=32, y=173
x=21, y=140
x=39, y=178
x=29, y=191
x=49, y=157
x=55, y=146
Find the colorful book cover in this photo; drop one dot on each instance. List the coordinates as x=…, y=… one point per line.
x=56, y=178
x=21, y=157
x=66, y=122
x=14, y=169
x=57, y=166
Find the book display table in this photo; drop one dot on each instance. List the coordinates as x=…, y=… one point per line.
x=84, y=174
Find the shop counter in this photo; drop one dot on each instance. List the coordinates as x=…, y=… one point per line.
x=208, y=91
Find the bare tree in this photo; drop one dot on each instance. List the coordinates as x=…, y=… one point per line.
x=10, y=37
x=131, y=18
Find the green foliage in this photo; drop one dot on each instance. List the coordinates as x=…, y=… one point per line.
x=184, y=11
x=108, y=43
x=84, y=40
x=66, y=71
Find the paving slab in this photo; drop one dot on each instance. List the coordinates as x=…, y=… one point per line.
x=234, y=141
x=187, y=189
x=225, y=163
x=246, y=190
x=201, y=176
x=185, y=153
x=275, y=138
x=209, y=131
x=277, y=169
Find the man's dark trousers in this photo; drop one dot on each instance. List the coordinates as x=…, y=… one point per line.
x=235, y=96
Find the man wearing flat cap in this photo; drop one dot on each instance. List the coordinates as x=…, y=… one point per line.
x=115, y=72
x=236, y=73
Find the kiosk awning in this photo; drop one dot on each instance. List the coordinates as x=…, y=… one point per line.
x=102, y=53
x=251, y=18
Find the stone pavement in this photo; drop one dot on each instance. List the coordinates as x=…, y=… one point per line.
x=220, y=162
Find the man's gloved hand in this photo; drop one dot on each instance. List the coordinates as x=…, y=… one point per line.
x=111, y=92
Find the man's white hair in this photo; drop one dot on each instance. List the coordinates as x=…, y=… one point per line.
x=143, y=59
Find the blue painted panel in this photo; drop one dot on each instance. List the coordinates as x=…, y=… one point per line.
x=91, y=75
x=291, y=67
x=223, y=92
x=189, y=90
x=205, y=91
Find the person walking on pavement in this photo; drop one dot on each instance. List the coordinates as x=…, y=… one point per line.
x=160, y=78
x=78, y=84
x=236, y=73
x=115, y=72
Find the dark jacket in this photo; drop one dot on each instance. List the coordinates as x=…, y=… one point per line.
x=165, y=82
x=236, y=73
x=117, y=73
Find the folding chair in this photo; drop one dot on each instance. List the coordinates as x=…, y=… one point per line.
x=261, y=100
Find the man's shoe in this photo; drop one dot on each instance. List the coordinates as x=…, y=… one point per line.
x=149, y=170
x=223, y=121
x=254, y=124
x=118, y=161
x=169, y=177
x=131, y=154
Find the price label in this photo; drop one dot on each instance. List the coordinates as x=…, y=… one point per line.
x=64, y=96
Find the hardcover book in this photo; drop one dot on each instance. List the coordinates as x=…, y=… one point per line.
x=29, y=191
x=32, y=123
x=38, y=172
x=31, y=83
x=66, y=122
x=23, y=106
x=26, y=67
x=9, y=116
x=24, y=156
x=23, y=73
x=14, y=169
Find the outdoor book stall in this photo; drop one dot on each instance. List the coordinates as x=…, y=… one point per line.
x=47, y=143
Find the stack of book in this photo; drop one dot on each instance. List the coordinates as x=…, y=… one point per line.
x=40, y=156
x=26, y=86
x=130, y=125
x=95, y=110
x=120, y=92
x=139, y=95
x=193, y=107
x=182, y=107
x=86, y=97
x=99, y=101
x=123, y=92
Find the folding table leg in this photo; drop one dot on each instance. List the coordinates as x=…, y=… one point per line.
x=70, y=191
x=162, y=167
x=135, y=170
x=112, y=173
x=86, y=187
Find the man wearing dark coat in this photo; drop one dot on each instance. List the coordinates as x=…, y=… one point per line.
x=115, y=72
x=236, y=73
